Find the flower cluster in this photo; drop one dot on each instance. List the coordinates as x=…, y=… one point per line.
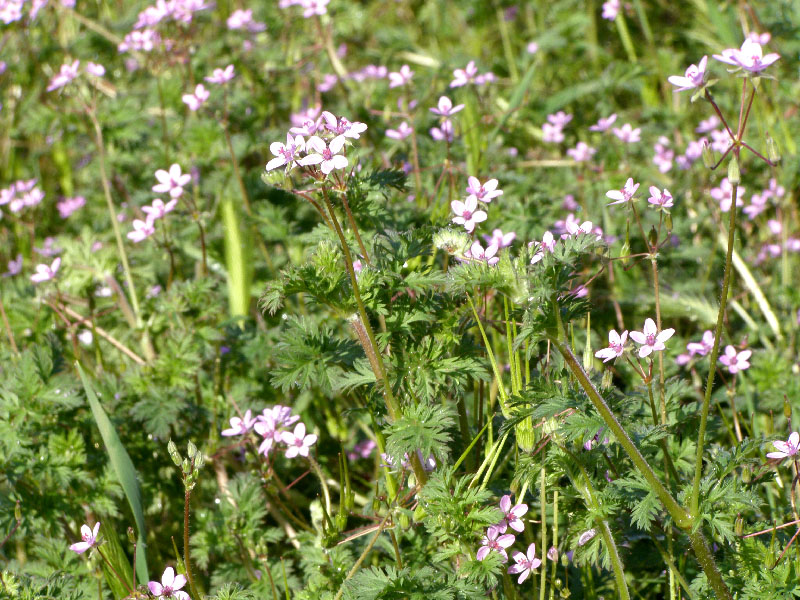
x=21, y=194
x=311, y=8
x=445, y=109
x=650, y=340
x=469, y=74
x=553, y=129
x=324, y=149
x=144, y=38
x=273, y=426
x=169, y=182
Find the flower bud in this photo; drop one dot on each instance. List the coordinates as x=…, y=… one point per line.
x=552, y=554
x=419, y=513
x=186, y=466
x=708, y=155
x=17, y=512
x=738, y=526
x=173, y=453
x=787, y=408
x=191, y=450
x=734, y=175
x=131, y=535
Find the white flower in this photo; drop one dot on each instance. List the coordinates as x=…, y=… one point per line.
x=327, y=156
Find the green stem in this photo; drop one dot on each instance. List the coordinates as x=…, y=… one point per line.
x=681, y=517
x=492, y=360
x=147, y=347
x=543, y=502
x=392, y=405
x=189, y=576
x=723, y=301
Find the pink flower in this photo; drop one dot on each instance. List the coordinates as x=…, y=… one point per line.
x=552, y=554
x=325, y=155
x=582, y=152
x=341, y=126
x=720, y=140
x=616, y=346
x=659, y=198
x=67, y=73
x=604, y=124
x=286, y=154
x=197, y=99
x=69, y=205
x=401, y=77
x=559, y=119
x=239, y=426
x=467, y=213
x=362, y=449
x=788, y=448
x=760, y=38
x=625, y=194
x=724, y=195
x=402, y=132
x=445, y=107
x=270, y=425
x=532, y=48
x=552, y=134
x=298, y=442
x=14, y=266
x=489, y=255
x=158, y=209
x=95, y=69
x=142, y=230
x=484, y=193
x=88, y=539
x=702, y=347
x=627, y=133
x=586, y=537
x=221, y=76
x=574, y=229
x=312, y=8
x=465, y=75
x=708, y=124
x=494, y=541
x=171, y=181
x=500, y=239
x=547, y=244
x=243, y=19
x=650, y=339
x=170, y=586
x=611, y=9
x=444, y=132
x=749, y=57
x=46, y=272
x=525, y=563
x=693, y=77
x=512, y=515
x=735, y=361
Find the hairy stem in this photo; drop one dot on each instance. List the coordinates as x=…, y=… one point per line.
x=712, y=369
x=186, y=497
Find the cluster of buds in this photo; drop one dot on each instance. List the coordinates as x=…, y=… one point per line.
x=190, y=466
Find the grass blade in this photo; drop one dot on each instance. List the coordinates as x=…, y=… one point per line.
x=124, y=469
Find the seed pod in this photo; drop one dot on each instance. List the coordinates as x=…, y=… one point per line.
x=772, y=150
x=708, y=155
x=787, y=408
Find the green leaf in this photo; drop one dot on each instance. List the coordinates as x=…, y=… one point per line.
x=123, y=467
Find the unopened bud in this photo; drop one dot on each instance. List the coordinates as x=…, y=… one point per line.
x=341, y=521
x=186, y=466
x=131, y=535
x=738, y=526
x=772, y=150
x=173, y=453
x=405, y=522
x=787, y=408
x=668, y=222
x=419, y=513
x=552, y=554
x=191, y=450
x=652, y=237
x=734, y=175
x=17, y=512
x=708, y=155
